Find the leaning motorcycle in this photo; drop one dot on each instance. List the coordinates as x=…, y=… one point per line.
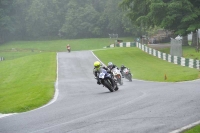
x=117, y=75
x=127, y=74
x=107, y=81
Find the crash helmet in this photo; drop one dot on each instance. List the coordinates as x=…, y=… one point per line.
x=97, y=65
x=122, y=65
x=110, y=64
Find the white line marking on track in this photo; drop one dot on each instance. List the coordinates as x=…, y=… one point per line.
x=186, y=127
x=98, y=58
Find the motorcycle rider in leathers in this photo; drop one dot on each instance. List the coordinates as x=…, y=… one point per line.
x=122, y=68
x=97, y=68
x=111, y=66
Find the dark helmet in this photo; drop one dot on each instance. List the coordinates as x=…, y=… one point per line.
x=122, y=65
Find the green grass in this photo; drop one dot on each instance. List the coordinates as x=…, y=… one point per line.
x=16, y=49
x=195, y=129
x=27, y=82
x=146, y=67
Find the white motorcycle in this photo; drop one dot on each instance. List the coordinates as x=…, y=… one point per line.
x=117, y=75
x=127, y=74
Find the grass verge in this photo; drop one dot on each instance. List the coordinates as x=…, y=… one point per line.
x=146, y=67
x=27, y=82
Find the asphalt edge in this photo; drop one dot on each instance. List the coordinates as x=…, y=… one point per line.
x=186, y=127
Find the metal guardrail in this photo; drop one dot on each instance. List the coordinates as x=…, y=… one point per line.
x=192, y=63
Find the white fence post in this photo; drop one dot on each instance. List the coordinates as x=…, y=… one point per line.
x=1, y=58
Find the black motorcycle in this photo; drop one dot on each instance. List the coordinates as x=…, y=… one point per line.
x=107, y=81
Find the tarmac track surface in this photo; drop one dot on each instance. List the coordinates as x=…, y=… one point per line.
x=83, y=106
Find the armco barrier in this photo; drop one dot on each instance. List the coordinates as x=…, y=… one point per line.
x=123, y=44
x=192, y=63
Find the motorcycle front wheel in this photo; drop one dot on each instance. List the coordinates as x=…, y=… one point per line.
x=108, y=84
x=116, y=88
x=119, y=80
x=130, y=77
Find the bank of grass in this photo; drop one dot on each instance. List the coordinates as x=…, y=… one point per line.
x=195, y=129
x=27, y=82
x=146, y=67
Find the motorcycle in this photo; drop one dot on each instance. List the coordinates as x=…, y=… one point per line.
x=127, y=74
x=117, y=75
x=107, y=81
x=68, y=49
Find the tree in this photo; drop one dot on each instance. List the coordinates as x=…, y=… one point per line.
x=20, y=7
x=179, y=16
x=6, y=20
x=138, y=12
x=79, y=20
x=34, y=19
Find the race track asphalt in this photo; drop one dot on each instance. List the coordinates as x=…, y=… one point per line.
x=82, y=106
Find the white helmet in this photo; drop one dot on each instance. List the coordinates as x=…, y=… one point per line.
x=110, y=64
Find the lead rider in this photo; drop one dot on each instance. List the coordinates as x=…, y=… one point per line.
x=96, y=70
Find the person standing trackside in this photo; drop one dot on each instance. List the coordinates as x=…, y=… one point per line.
x=68, y=48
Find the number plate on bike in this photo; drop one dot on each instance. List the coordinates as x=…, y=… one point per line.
x=102, y=75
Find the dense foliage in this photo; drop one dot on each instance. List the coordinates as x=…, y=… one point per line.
x=180, y=16
x=39, y=19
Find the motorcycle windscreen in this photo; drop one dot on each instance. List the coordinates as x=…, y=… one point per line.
x=102, y=73
x=115, y=71
x=125, y=70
